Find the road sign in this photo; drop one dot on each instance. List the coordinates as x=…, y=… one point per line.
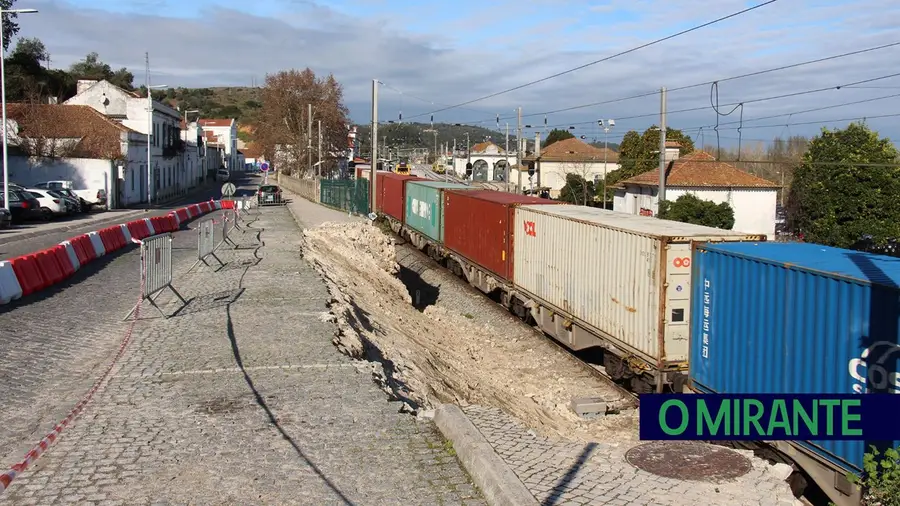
x=228, y=189
x=264, y=167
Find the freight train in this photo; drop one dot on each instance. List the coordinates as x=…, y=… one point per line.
x=673, y=306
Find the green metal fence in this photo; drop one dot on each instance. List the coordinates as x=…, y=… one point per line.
x=347, y=195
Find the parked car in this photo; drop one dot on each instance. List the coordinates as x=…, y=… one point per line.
x=70, y=197
x=51, y=205
x=5, y=218
x=268, y=194
x=89, y=197
x=23, y=206
x=222, y=175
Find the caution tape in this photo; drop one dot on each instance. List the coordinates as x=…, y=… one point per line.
x=7, y=478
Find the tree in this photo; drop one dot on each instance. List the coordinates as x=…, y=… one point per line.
x=846, y=187
x=640, y=153
x=578, y=190
x=92, y=68
x=10, y=27
x=556, y=135
x=283, y=119
x=689, y=208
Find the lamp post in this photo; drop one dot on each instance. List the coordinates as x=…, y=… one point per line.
x=610, y=123
x=149, y=137
x=3, y=99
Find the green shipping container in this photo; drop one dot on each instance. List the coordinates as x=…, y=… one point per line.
x=425, y=207
x=347, y=195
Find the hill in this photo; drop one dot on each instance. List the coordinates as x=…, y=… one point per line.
x=244, y=104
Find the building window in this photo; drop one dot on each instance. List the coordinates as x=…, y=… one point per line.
x=132, y=179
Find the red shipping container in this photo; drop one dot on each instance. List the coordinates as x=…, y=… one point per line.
x=390, y=197
x=479, y=225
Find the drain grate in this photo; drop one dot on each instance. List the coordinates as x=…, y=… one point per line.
x=688, y=460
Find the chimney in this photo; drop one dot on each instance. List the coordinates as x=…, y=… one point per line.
x=84, y=84
x=673, y=150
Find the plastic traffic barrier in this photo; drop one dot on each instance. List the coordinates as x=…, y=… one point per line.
x=28, y=274
x=150, y=229
x=217, y=204
x=49, y=266
x=206, y=207
x=126, y=233
x=226, y=204
x=71, y=255
x=84, y=249
x=194, y=210
x=10, y=289
x=110, y=241
x=173, y=215
x=97, y=243
x=62, y=258
x=138, y=229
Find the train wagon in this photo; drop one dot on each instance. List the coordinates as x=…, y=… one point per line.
x=593, y=278
x=425, y=210
x=390, y=198
x=479, y=231
x=797, y=318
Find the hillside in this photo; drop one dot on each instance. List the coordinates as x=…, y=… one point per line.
x=244, y=104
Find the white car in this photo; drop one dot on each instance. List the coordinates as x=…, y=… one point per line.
x=223, y=175
x=50, y=205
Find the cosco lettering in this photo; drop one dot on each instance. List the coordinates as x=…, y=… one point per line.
x=874, y=370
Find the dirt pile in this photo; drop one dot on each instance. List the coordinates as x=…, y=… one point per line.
x=452, y=351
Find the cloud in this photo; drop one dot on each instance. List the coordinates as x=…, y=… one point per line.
x=459, y=51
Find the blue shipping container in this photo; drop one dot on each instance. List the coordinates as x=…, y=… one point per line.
x=795, y=318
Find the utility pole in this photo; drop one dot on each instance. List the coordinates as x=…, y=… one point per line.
x=373, y=179
x=519, y=150
x=319, y=151
x=537, y=164
x=452, y=162
x=606, y=128
x=661, y=196
x=506, y=176
x=309, y=136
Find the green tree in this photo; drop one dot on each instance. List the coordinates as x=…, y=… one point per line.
x=689, y=208
x=92, y=68
x=846, y=186
x=577, y=190
x=10, y=27
x=557, y=135
x=639, y=153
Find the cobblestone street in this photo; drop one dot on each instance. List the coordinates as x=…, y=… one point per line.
x=569, y=473
x=239, y=398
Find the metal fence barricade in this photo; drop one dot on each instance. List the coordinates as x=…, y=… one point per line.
x=229, y=224
x=206, y=244
x=156, y=270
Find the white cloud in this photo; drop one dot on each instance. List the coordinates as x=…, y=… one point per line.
x=509, y=44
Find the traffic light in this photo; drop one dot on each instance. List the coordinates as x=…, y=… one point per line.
x=530, y=169
x=468, y=169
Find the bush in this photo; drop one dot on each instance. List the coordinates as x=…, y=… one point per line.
x=881, y=478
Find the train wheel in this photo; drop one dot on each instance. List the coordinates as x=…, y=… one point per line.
x=642, y=385
x=615, y=367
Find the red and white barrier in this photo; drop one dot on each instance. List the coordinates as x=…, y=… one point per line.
x=70, y=252
x=150, y=226
x=10, y=289
x=97, y=243
x=126, y=233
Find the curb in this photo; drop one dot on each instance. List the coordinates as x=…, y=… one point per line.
x=495, y=479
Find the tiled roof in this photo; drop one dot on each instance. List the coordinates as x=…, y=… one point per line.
x=701, y=169
x=481, y=147
x=216, y=122
x=252, y=151
x=99, y=136
x=574, y=150
x=673, y=144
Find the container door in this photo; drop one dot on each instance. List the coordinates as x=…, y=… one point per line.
x=678, y=302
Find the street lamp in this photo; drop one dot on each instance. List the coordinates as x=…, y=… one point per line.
x=606, y=128
x=3, y=99
x=149, y=136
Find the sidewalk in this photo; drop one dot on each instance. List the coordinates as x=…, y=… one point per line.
x=241, y=398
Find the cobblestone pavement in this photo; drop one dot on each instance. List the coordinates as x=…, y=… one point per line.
x=240, y=398
x=567, y=473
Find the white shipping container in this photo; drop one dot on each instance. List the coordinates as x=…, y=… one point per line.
x=619, y=275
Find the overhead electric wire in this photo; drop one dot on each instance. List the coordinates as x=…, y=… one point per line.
x=642, y=46
x=705, y=83
x=694, y=109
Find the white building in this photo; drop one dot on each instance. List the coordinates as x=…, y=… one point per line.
x=226, y=132
x=130, y=109
x=572, y=156
x=195, y=154
x=752, y=198
x=76, y=143
x=488, y=162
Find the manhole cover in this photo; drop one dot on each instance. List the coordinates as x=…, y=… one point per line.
x=688, y=460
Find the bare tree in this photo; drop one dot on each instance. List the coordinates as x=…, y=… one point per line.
x=283, y=132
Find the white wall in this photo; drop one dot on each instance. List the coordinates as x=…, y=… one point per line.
x=553, y=174
x=85, y=173
x=754, y=209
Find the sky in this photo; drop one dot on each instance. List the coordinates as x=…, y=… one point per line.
x=430, y=55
